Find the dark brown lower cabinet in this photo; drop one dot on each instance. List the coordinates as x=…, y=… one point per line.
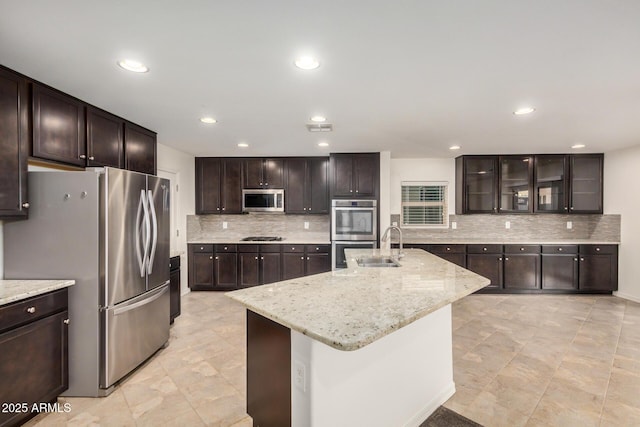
x=225, y=269
x=559, y=269
x=248, y=269
x=598, y=268
x=452, y=253
x=318, y=259
x=201, y=271
x=174, y=288
x=258, y=265
x=34, y=344
x=521, y=266
x=270, y=268
x=268, y=372
x=293, y=265
x=305, y=260
x=486, y=260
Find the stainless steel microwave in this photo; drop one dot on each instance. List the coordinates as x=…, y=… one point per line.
x=262, y=200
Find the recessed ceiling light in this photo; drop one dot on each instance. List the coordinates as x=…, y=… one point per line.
x=578, y=146
x=454, y=147
x=524, y=110
x=131, y=65
x=243, y=145
x=323, y=144
x=208, y=120
x=318, y=119
x=307, y=63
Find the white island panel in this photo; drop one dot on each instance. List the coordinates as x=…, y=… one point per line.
x=398, y=380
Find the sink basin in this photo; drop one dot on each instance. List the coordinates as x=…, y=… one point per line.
x=379, y=261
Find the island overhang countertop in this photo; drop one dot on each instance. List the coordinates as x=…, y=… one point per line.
x=350, y=308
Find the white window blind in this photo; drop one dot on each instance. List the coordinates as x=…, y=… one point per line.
x=424, y=204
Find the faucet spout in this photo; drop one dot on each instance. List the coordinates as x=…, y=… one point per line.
x=387, y=234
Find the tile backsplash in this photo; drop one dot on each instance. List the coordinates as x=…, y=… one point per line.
x=601, y=228
x=201, y=227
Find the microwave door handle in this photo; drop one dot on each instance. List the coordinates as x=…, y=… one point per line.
x=138, y=235
x=154, y=225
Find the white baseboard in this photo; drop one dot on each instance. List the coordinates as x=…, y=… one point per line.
x=626, y=296
x=432, y=405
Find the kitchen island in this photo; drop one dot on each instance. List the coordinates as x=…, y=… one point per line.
x=358, y=346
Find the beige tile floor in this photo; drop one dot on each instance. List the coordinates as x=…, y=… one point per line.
x=519, y=360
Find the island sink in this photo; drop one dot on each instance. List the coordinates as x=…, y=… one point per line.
x=378, y=261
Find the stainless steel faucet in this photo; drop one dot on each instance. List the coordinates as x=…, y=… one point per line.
x=387, y=234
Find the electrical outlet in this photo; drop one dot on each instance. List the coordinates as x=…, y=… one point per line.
x=507, y=224
x=454, y=225
x=225, y=225
x=394, y=223
x=569, y=225
x=299, y=376
x=306, y=225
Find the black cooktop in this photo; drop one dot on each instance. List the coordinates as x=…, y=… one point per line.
x=262, y=239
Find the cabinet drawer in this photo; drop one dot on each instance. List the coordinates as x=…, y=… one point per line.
x=560, y=249
x=447, y=249
x=202, y=248
x=21, y=312
x=174, y=263
x=226, y=248
x=271, y=248
x=598, y=249
x=318, y=249
x=521, y=249
x=484, y=249
x=293, y=249
x=247, y=248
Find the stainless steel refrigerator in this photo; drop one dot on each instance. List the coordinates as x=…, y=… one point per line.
x=109, y=230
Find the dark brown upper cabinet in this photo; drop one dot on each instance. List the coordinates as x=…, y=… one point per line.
x=105, y=139
x=58, y=126
x=545, y=183
x=306, y=185
x=551, y=183
x=354, y=175
x=14, y=145
x=585, y=193
x=476, y=184
x=515, y=178
x=139, y=149
x=264, y=173
x=218, y=185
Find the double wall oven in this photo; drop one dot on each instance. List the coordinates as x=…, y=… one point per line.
x=353, y=225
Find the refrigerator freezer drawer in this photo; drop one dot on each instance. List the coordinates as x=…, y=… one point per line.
x=134, y=330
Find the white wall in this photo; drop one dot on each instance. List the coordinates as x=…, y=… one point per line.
x=620, y=171
x=183, y=165
x=421, y=170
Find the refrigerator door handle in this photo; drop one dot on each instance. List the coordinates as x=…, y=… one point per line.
x=152, y=252
x=149, y=299
x=146, y=233
x=139, y=238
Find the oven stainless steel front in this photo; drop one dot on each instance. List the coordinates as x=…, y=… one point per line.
x=338, y=247
x=354, y=220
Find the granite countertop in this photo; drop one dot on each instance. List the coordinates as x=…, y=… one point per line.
x=16, y=290
x=311, y=238
x=350, y=308
x=463, y=241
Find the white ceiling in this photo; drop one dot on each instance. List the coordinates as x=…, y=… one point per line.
x=411, y=77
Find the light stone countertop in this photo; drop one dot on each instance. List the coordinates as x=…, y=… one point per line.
x=350, y=308
x=454, y=241
x=309, y=238
x=16, y=290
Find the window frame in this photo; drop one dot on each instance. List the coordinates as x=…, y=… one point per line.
x=444, y=203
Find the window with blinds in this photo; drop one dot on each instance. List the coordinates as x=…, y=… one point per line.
x=424, y=204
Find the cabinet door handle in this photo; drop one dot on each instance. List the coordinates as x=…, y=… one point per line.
x=31, y=310
x=506, y=259
x=522, y=249
x=581, y=259
x=66, y=321
x=559, y=249
x=260, y=183
x=261, y=257
x=484, y=249
x=597, y=249
x=266, y=183
x=222, y=208
x=357, y=191
x=317, y=249
x=217, y=258
x=301, y=257
x=350, y=191
x=575, y=259
x=225, y=248
x=217, y=209
x=256, y=258
x=307, y=258
x=565, y=208
x=82, y=156
x=25, y=205
x=201, y=248
x=448, y=249
x=304, y=209
x=211, y=257
x=91, y=158
x=500, y=259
